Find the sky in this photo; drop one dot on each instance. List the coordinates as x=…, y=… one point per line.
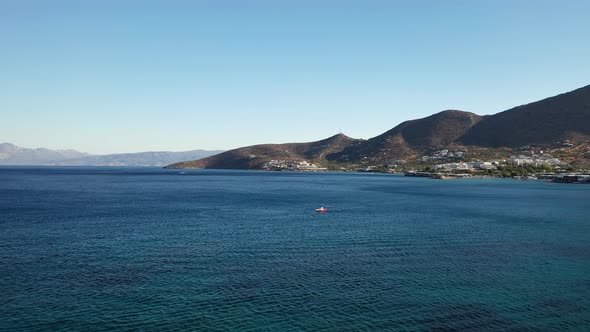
x=115, y=76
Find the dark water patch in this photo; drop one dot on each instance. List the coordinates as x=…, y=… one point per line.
x=561, y=306
x=581, y=252
x=465, y=317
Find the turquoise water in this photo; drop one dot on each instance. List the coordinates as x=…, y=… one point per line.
x=162, y=250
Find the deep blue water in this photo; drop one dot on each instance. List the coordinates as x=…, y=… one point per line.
x=160, y=250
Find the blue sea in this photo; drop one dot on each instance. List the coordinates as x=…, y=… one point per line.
x=147, y=249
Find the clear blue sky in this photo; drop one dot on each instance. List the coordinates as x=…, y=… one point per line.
x=125, y=76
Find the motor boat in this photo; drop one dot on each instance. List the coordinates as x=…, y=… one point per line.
x=321, y=209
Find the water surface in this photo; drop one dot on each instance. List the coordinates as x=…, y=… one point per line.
x=164, y=250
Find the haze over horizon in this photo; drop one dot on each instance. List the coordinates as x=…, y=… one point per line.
x=116, y=77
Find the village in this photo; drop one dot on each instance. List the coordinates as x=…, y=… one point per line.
x=292, y=165
x=447, y=164
x=530, y=166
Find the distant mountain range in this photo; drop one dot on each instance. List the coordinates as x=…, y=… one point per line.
x=560, y=124
x=11, y=154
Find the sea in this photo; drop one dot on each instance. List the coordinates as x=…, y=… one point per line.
x=149, y=249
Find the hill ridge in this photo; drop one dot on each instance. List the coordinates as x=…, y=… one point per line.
x=256, y=156
x=547, y=122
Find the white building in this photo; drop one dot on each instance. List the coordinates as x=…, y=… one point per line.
x=535, y=161
x=481, y=165
x=453, y=166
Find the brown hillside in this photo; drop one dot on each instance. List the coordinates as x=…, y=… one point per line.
x=254, y=157
x=412, y=137
x=566, y=116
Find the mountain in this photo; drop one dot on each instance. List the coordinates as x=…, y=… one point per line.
x=11, y=154
x=254, y=157
x=544, y=123
x=411, y=138
x=152, y=158
x=559, y=124
x=559, y=118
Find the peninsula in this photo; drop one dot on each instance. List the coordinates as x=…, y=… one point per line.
x=555, y=130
